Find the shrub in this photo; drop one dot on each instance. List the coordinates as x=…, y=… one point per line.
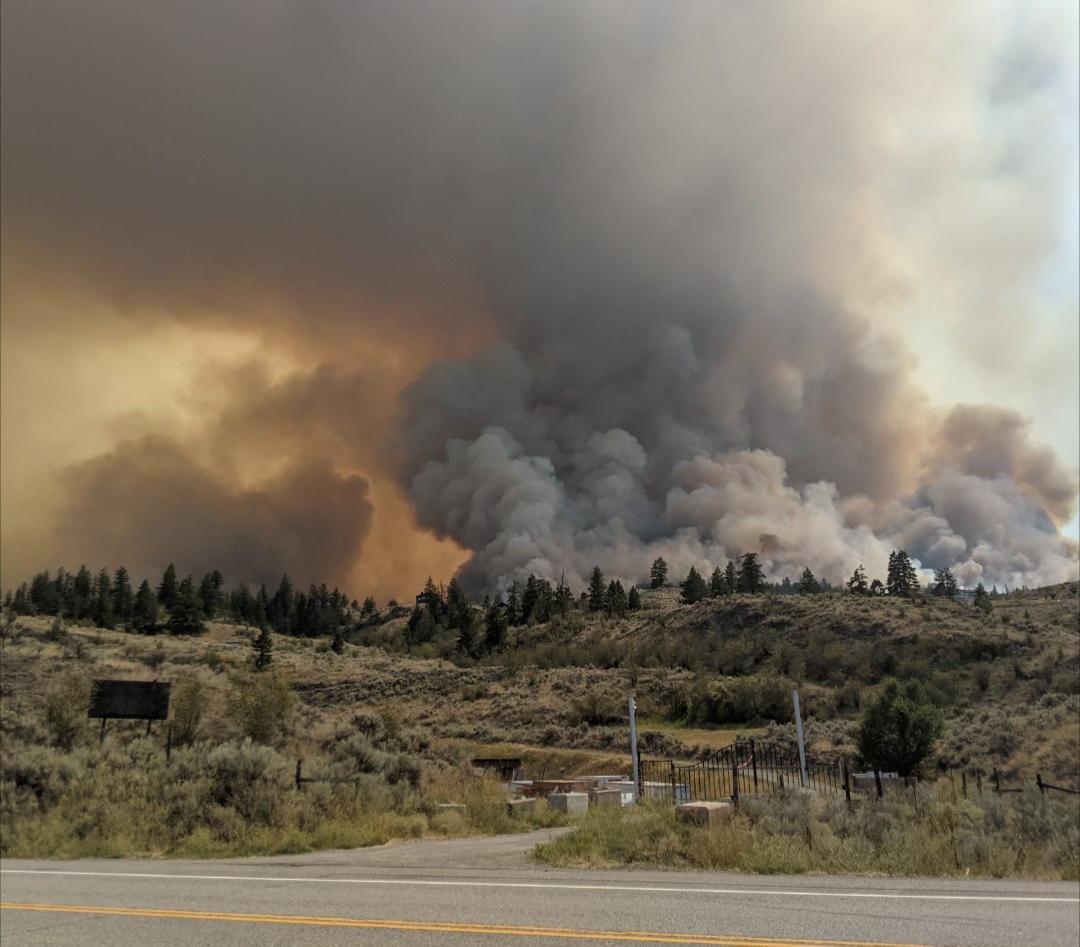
x=899, y=728
x=66, y=703
x=261, y=706
x=249, y=778
x=189, y=700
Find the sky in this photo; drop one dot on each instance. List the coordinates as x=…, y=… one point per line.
x=371, y=292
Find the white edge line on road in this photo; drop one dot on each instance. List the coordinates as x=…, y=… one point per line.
x=431, y=883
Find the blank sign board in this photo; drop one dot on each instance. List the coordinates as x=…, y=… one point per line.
x=130, y=700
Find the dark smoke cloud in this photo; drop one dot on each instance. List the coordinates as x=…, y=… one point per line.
x=674, y=223
x=153, y=503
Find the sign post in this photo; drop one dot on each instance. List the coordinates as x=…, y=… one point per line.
x=802, y=745
x=633, y=746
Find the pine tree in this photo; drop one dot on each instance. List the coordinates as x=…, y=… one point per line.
x=564, y=598
x=184, y=618
x=123, y=598
x=529, y=599
x=751, y=577
x=337, y=645
x=982, y=600
x=693, y=587
x=457, y=605
x=633, y=600
x=469, y=642
x=103, y=601
x=210, y=593
x=513, y=607
x=857, y=583
x=597, y=591
x=144, y=610
x=808, y=585
x=263, y=646
x=20, y=602
x=282, y=613
x=43, y=595
x=658, y=573
x=168, y=590
x=83, y=594
x=616, y=599
x=902, y=579
x=495, y=629
x=944, y=584
x=876, y=588
x=731, y=578
x=717, y=586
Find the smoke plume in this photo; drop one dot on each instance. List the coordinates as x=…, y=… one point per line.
x=562, y=284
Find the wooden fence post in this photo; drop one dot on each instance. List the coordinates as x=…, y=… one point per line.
x=299, y=779
x=847, y=779
x=1039, y=783
x=735, y=780
x=753, y=762
x=674, y=791
x=963, y=782
x=877, y=780
x=168, y=743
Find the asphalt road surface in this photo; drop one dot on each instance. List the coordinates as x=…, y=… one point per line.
x=484, y=891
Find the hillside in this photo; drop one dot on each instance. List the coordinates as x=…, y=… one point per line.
x=1007, y=681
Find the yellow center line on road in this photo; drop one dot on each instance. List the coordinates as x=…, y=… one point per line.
x=439, y=927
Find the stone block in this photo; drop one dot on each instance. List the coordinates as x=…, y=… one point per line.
x=521, y=806
x=705, y=813
x=569, y=802
x=607, y=797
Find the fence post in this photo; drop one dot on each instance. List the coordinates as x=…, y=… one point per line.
x=674, y=791
x=847, y=779
x=753, y=762
x=735, y=780
x=299, y=780
x=168, y=743
x=1039, y=783
x=978, y=781
x=996, y=777
x=877, y=780
x=963, y=782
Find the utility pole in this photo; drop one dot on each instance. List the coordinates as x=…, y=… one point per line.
x=633, y=746
x=802, y=745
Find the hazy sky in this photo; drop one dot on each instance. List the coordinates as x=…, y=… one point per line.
x=366, y=291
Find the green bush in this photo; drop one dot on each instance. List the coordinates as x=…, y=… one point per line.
x=899, y=728
x=261, y=706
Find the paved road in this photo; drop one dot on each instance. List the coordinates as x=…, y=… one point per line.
x=484, y=891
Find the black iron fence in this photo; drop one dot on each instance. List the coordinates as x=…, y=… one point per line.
x=742, y=768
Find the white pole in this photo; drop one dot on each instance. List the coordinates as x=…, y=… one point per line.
x=633, y=743
x=802, y=745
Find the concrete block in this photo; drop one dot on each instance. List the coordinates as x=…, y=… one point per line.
x=705, y=813
x=569, y=802
x=607, y=797
x=521, y=806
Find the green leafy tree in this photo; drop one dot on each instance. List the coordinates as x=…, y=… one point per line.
x=899, y=728
x=751, y=577
x=658, y=573
x=185, y=617
x=693, y=587
x=808, y=585
x=144, y=613
x=857, y=583
x=597, y=591
x=168, y=589
x=633, y=600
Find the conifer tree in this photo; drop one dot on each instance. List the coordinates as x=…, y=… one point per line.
x=751, y=577
x=103, y=601
x=808, y=585
x=263, y=646
x=982, y=600
x=123, y=598
x=616, y=599
x=633, y=600
x=144, y=610
x=457, y=605
x=20, y=602
x=717, y=585
x=658, y=573
x=857, y=583
x=282, y=609
x=513, y=608
x=597, y=591
x=564, y=598
x=169, y=589
x=944, y=584
x=731, y=578
x=693, y=587
x=210, y=593
x=82, y=593
x=184, y=618
x=495, y=629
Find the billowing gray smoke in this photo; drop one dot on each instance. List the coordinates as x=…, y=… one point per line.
x=685, y=229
